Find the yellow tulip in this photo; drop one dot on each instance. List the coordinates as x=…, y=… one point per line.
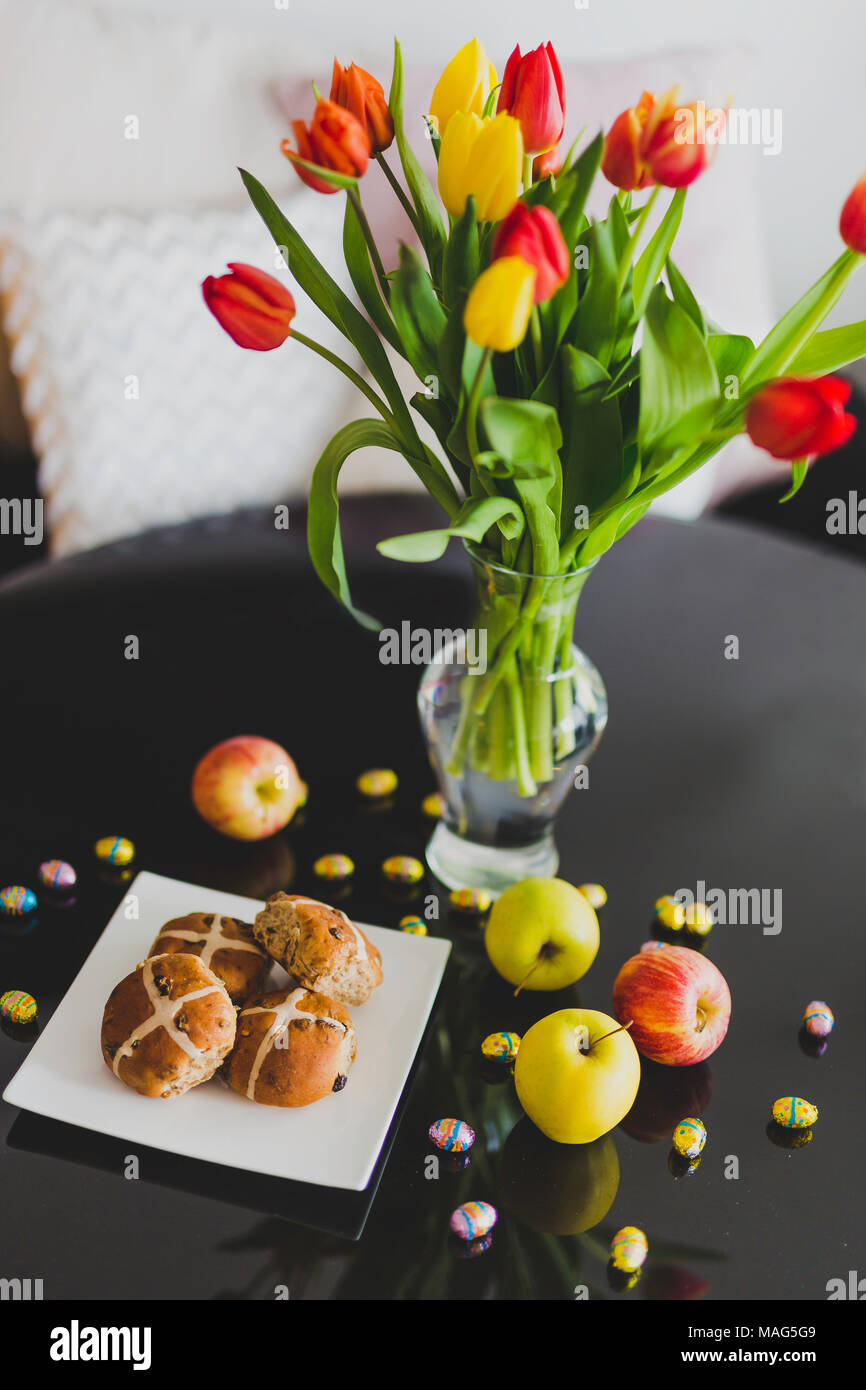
x=499, y=304
x=484, y=158
x=465, y=85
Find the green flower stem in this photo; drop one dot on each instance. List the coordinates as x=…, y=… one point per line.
x=537, y=345
x=563, y=690
x=527, y=173
x=355, y=198
x=525, y=782
x=395, y=184
x=472, y=418
x=627, y=256
x=353, y=376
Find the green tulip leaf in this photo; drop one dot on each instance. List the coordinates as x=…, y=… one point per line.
x=651, y=262
x=592, y=456
x=323, y=515
x=595, y=323
x=525, y=434
x=799, y=469
x=682, y=293
x=679, y=388
x=830, y=350
x=461, y=257
x=472, y=523
x=430, y=224
x=791, y=335
x=363, y=277
x=419, y=316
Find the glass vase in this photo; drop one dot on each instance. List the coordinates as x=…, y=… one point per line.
x=511, y=712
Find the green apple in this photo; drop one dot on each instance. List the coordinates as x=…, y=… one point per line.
x=542, y=934
x=559, y=1188
x=577, y=1074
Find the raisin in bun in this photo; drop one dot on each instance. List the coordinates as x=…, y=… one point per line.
x=293, y=1047
x=224, y=944
x=319, y=947
x=167, y=1026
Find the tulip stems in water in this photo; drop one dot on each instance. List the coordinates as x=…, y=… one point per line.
x=355, y=199
x=395, y=184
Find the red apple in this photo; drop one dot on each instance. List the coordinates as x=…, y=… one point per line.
x=247, y=787
x=679, y=1002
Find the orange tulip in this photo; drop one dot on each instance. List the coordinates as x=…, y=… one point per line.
x=253, y=307
x=334, y=139
x=679, y=141
x=359, y=92
x=852, y=223
x=621, y=162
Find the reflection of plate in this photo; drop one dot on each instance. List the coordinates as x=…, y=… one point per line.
x=334, y=1143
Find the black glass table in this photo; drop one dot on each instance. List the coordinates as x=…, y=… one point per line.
x=736, y=773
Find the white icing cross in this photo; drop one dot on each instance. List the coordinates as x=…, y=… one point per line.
x=215, y=940
x=164, y=1010
x=359, y=936
x=283, y=1015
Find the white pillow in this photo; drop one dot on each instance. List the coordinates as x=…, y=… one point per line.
x=141, y=409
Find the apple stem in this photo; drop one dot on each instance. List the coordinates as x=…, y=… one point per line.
x=623, y=1028
x=526, y=977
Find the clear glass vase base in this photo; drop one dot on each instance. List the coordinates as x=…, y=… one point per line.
x=461, y=863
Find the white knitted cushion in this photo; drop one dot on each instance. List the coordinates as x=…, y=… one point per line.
x=141, y=409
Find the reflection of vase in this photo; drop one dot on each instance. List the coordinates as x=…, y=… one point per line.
x=511, y=711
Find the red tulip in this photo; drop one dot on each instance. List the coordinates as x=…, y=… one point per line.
x=253, y=307
x=545, y=164
x=359, y=92
x=852, y=223
x=532, y=92
x=534, y=235
x=622, y=162
x=798, y=418
x=679, y=141
x=334, y=139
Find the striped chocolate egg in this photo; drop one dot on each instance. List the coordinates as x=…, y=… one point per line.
x=698, y=919
x=501, y=1047
x=628, y=1249
x=377, y=782
x=415, y=926
x=17, y=1007
x=818, y=1019
x=473, y=1219
x=336, y=868
x=670, y=913
x=434, y=806
x=453, y=1136
x=689, y=1137
x=114, y=849
x=794, y=1113
x=57, y=874
x=653, y=946
x=16, y=901
x=470, y=900
x=402, y=868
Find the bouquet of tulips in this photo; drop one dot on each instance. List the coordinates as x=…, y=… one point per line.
x=565, y=367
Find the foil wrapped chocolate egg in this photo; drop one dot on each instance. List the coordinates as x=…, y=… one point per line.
x=594, y=893
x=818, y=1019
x=470, y=900
x=500, y=1047
x=16, y=1006
x=689, y=1137
x=792, y=1112
x=57, y=874
x=336, y=868
x=473, y=1219
x=452, y=1136
x=114, y=849
x=628, y=1249
x=402, y=868
x=377, y=782
x=415, y=926
x=17, y=901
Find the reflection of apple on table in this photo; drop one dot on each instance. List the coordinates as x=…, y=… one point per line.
x=664, y=1096
x=247, y=787
x=561, y=1189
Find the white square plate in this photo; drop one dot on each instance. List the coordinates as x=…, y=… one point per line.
x=334, y=1143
